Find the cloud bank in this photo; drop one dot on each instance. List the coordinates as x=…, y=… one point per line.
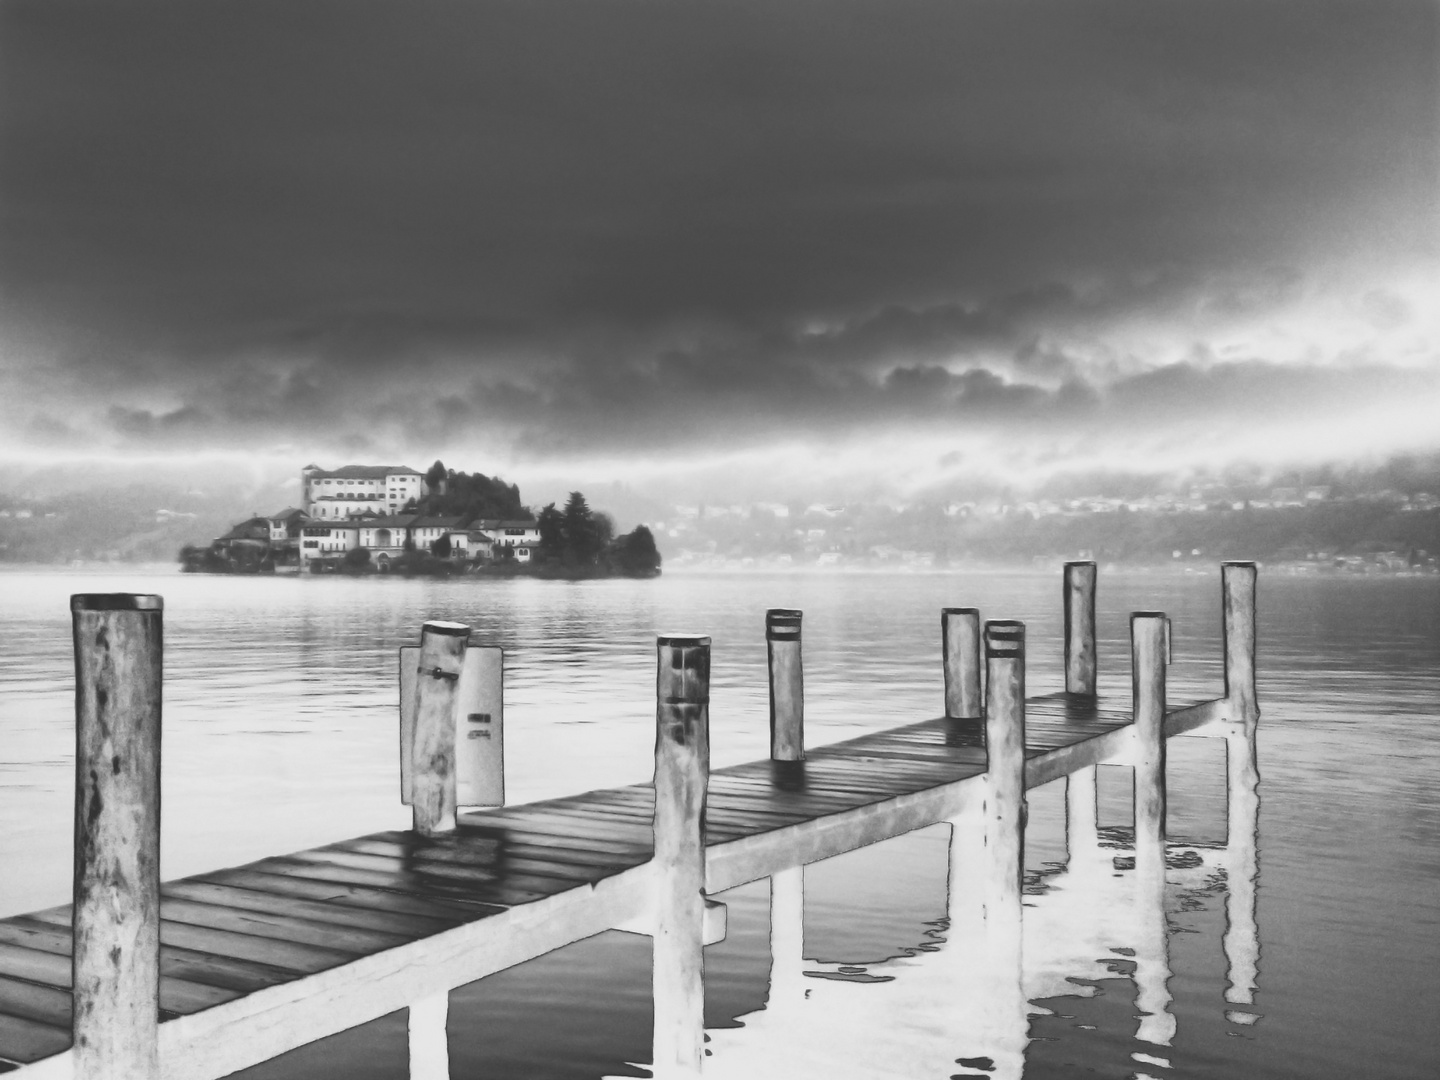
x=858, y=239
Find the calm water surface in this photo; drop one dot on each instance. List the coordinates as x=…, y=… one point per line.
x=281, y=734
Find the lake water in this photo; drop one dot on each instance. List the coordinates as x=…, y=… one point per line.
x=280, y=733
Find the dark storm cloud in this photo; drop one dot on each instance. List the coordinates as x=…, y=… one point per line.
x=612, y=224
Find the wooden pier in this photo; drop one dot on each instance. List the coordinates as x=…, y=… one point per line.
x=200, y=977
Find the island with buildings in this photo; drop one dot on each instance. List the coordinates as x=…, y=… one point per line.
x=382, y=519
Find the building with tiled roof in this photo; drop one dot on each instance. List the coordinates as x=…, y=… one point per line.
x=351, y=490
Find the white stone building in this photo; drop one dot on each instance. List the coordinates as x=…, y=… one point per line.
x=352, y=490
x=327, y=540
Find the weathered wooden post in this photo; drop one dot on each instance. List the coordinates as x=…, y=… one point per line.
x=960, y=642
x=787, y=685
x=1147, y=657
x=1005, y=748
x=1149, y=640
x=1080, y=659
x=1005, y=1019
x=432, y=788
x=1237, y=586
x=682, y=773
x=115, y=965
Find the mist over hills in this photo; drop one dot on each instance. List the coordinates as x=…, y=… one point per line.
x=136, y=513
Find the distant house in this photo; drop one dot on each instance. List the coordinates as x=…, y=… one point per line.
x=385, y=533
x=252, y=529
x=426, y=530
x=327, y=540
x=286, y=524
x=511, y=534
x=471, y=544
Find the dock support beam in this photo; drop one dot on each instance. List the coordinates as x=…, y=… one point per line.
x=960, y=642
x=432, y=788
x=115, y=965
x=1005, y=1012
x=1080, y=657
x=1149, y=637
x=787, y=685
x=429, y=1041
x=682, y=773
x=787, y=938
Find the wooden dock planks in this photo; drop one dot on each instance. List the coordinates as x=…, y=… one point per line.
x=229, y=933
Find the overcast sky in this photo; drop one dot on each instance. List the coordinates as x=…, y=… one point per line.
x=883, y=242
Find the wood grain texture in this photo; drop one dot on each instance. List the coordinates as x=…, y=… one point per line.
x=119, y=644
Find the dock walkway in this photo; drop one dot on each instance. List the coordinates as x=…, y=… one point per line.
x=230, y=934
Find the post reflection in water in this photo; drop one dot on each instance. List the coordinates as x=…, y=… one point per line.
x=964, y=1005
x=1242, y=929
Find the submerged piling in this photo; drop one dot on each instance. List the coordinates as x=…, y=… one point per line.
x=960, y=645
x=682, y=774
x=787, y=684
x=115, y=963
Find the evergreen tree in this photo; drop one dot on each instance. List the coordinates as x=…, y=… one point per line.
x=552, y=532
x=581, y=536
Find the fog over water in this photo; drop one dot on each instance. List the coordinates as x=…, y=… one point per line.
x=280, y=733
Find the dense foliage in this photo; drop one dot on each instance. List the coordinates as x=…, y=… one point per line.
x=470, y=496
x=582, y=539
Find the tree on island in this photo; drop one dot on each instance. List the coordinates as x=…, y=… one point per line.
x=441, y=547
x=471, y=495
x=552, y=532
x=635, y=552
x=435, y=477
x=582, y=532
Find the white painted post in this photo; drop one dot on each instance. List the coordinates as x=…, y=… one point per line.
x=115, y=966
x=960, y=642
x=409, y=678
x=1237, y=586
x=1149, y=632
x=682, y=772
x=432, y=787
x=480, y=728
x=787, y=938
x=787, y=684
x=1005, y=747
x=1080, y=658
x=429, y=1041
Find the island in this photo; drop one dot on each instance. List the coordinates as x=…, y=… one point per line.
x=383, y=519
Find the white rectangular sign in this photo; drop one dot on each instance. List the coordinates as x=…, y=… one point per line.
x=479, y=726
